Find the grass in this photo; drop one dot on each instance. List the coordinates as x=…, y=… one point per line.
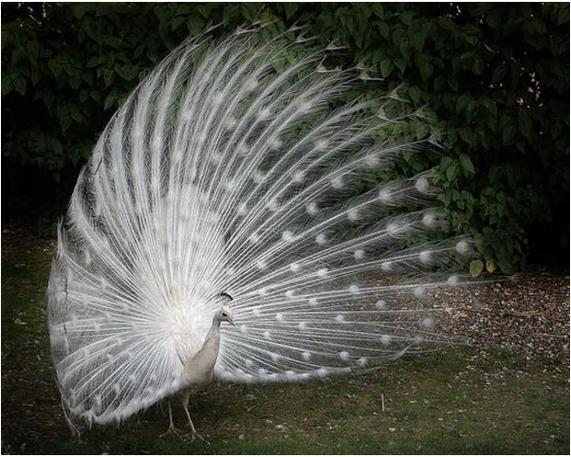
x=467, y=401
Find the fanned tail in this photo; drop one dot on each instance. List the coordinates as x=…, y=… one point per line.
x=227, y=170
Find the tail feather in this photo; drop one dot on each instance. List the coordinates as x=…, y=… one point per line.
x=228, y=170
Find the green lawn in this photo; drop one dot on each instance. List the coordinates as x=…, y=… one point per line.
x=461, y=401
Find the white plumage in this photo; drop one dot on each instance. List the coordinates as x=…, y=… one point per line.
x=227, y=172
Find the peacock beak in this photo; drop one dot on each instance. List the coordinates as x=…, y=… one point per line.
x=230, y=321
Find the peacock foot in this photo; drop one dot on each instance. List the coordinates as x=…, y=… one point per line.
x=176, y=432
x=196, y=435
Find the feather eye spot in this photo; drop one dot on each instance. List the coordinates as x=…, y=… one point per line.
x=425, y=257
x=359, y=254
x=321, y=145
x=323, y=273
x=321, y=239
x=337, y=183
x=273, y=205
x=276, y=143
x=302, y=326
x=463, y=247
x=251, y=84
x=453, y=280
x=295, y=267
x=306, y=355
x=385, y=196
x=288, y=236
x=243, y=329
x=279, y=317
x=258, y=177
x=428, y=322
x=429, y=220
x=230, y=186
x=386, y=340
x=344, y=356
x=354, y=289
x=242, y=209
x=230, y=123
x=215, y=158
x=264, y=114
x=381, y=304
x=242, y=149
x=354, y=215
x=340, y=319
x=305, y=107
x=373, y=160
x=419, y=292
x=386, y=266
x=312, y=208
x=263, y=291
x=261, y=264
x=298, y=177
x=290, y=293
x=322, y=372
x=313, y=301
x=362, y=362
x=218, y=98
x=267, y=335
x=422, y=185
x=393, y=228
x=275, y=357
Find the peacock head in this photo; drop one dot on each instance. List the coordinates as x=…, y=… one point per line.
x=224, y=314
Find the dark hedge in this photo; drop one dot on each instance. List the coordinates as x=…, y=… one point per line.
x=489, y=81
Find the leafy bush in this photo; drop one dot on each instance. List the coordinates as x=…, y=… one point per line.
x=490, y=82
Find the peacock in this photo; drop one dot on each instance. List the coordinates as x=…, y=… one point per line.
x=237, y=222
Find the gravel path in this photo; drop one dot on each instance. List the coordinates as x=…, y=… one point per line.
x=529, y=314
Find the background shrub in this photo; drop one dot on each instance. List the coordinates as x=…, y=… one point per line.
x=490, y=82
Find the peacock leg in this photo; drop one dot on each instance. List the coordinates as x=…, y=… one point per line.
x=185, y=405
x=172, y=429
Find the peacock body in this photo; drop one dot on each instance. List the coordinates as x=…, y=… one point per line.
x=227, y=175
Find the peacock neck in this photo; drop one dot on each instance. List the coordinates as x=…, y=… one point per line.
x=214, y=329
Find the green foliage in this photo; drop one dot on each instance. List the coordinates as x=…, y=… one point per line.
x=489, y=82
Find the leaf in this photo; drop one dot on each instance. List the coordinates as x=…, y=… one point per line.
x=109, y=100
x=476, y=267
x=384, y=30
x=426, y=68
x=419, y=37
x=177, y=22
x=250, y=11
x=451, y=172
x=467, y=164
x=490, y=266
x=387, y=67
x=20, y=85
x=498, y=73
x=55, y=67
x=195, y=24
x=290, y=9
x=508, y=133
